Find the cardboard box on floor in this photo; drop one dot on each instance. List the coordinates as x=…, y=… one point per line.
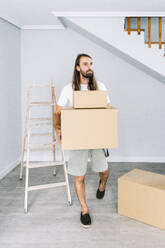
x=89, y=128
x=141, y=196
x=89, y=99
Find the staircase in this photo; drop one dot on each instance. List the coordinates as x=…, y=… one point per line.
x=109, y=33
x=153, y=28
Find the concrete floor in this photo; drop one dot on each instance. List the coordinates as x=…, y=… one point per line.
x=51, y=223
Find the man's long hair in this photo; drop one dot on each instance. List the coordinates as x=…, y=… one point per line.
x=92, y=85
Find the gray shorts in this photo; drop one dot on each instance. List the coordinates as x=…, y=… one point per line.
x=78, y=159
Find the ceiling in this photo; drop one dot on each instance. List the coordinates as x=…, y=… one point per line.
x=39, y=13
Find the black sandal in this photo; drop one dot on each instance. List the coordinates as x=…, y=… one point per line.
x=85, y=220
x=100, y=194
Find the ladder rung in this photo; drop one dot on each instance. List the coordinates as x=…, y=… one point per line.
x=46, y=186
x=39, y=149
x=41, y=124
x=41, y=104
x=40, y=145
x=43, y=164
x=40, y=134
x=41, y=86
x=40, y=119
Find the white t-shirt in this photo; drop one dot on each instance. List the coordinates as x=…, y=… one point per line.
x=66, y=96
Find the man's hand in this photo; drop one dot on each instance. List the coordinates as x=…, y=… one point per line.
x=59, y=137
x=57, y=123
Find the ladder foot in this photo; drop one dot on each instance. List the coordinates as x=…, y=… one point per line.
x=54, y=171
x=25, y=210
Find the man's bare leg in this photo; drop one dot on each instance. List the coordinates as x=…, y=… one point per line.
x=80, y=190
x=103, y=177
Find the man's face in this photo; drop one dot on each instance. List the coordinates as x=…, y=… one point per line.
x=85, y=67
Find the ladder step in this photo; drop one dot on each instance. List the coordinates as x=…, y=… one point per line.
x=43, y=164
x=40, y=134
x=40, y=149
x=46, y=186
x=40, y=119
x=42, y=104
x=40, y=145
x=41, y=86
x=41, y=124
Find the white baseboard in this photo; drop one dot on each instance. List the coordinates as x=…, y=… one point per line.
x=12, y=165
x=9, y=168
x=109, y=159
x=137, y=159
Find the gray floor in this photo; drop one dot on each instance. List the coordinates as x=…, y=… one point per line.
x=51, y=223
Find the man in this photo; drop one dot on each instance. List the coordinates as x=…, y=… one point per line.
x=83, y=79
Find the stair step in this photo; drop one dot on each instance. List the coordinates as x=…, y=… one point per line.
x=46, y=186
x=134, y=29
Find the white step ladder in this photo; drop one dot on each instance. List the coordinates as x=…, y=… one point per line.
x=28, y=147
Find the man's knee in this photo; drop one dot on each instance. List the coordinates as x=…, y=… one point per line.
x=105, y=173
x=79, y=179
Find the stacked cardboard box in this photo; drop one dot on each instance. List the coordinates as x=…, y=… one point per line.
x=90, y=99
x=89, y=128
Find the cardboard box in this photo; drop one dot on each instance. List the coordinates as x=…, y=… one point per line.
x=90, y=99
x=141, y=196
x=89, y=128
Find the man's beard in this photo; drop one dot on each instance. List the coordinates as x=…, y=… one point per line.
x=88, y=74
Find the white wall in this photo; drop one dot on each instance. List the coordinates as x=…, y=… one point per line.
x=139, y=98
x=10, y=91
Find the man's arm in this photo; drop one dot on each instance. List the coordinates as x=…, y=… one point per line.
x=57, y=122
